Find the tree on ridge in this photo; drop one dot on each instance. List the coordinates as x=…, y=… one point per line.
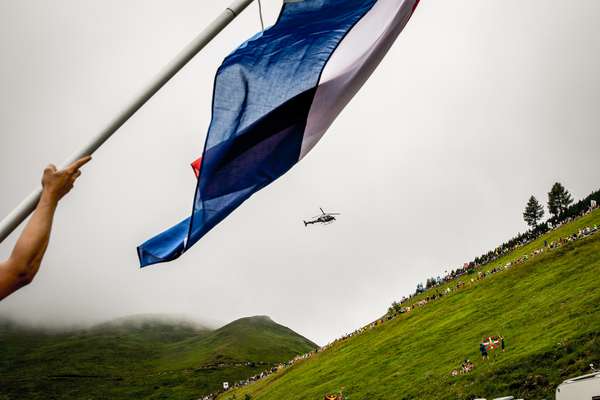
x=559, y=199
x=533, y=213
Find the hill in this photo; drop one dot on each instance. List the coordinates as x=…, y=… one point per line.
x=142, y=358
x=256, y=338
x=547, y=307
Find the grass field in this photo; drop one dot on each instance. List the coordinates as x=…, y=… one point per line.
x=139, y=359
x=548, y=309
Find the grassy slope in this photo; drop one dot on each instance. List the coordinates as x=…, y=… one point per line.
x=548, y=309
x=153, y=360
x=564, y=231
x=257, y=338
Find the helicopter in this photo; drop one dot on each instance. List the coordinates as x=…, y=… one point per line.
x=324, y=218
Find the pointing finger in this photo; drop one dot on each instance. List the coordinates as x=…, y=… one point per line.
x=79, y=163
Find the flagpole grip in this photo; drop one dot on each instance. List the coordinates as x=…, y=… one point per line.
x=23, y=210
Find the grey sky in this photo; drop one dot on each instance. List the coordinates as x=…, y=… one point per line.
x=480, y=104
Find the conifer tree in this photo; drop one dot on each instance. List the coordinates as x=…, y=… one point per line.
x=559, y=199
x=534, y=212
x=420, y=288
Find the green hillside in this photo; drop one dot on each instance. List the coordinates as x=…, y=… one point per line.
x=547, y=308
x=139, y=358
x=256, y=338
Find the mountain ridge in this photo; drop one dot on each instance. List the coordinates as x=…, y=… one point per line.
x=140, y=358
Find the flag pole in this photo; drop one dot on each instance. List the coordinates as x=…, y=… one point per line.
x=23, y=210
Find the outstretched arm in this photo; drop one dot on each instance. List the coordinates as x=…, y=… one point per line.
x=26, y=258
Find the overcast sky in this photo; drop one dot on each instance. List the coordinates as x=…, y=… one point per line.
x=479, y=105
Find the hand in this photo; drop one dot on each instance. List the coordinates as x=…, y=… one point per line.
x=57, y=183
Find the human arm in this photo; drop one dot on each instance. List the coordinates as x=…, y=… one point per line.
x=26, y=257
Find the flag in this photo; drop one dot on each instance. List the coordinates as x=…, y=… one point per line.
x=274, y=98
x=492, y=343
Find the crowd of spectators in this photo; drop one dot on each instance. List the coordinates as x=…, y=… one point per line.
x=472, y=268
x=466, y=367
x=274, y=368
x=577, y=210
x=295, y=360
x=478, y=275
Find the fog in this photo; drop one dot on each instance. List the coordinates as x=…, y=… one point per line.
x=478, y=105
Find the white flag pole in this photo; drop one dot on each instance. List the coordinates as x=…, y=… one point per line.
x=23, y=210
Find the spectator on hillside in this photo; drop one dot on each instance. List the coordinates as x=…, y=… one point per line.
x=483, y=350
x=467, y=366
x=502, y=345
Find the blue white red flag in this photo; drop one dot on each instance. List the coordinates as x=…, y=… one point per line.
x=274, y=98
